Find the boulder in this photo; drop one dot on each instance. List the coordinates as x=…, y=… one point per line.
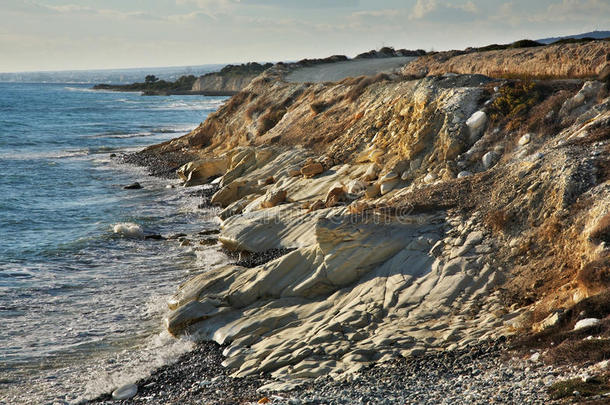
x=183, y=317
x=273, y=198
x=586, y=323
x=356, y=187
x=335, y=195
x=476, y=125
x=312, y=169
x=388, y=186
x=372, y=172
x=133, y=186
x=231, y=193
x=125, y=392
x=525, y=139
x=489, y=159
x=430, y=177
x=199, y=171
x=391, y=176
x=464, y=173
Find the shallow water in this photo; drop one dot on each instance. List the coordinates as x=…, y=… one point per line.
x=81, y=307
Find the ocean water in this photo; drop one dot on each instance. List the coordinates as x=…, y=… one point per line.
x=81, y=306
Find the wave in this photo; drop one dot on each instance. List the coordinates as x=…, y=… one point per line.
x=129, y=230
x=86, y=90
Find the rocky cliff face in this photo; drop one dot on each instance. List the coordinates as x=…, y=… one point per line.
x=553, y=61
x=222, y=83
x=422, y=215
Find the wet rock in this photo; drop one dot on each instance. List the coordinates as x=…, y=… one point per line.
x=200, y=171
x=125, y=392
x=133, y=186
x=154, y=237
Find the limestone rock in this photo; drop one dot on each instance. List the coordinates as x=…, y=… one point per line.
x=525, y=139
x=335, y=195
x=199, y=171
x=312, y=169
x=388, y=186
x=232, y=192
x=390, y=176
x=375, y=155
x=476, y=125
x=372, y=172
x=489, y=159
x=430, y=177
x=356, y=187
x=177, y=321
x=373, y=190
x=273, y=198
x=586, y=323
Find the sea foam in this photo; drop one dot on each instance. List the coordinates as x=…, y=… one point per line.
x=129, y=230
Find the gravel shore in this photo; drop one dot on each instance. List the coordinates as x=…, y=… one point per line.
x=484, y=374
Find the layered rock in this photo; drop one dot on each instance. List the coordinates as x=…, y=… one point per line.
x=551, y=61
x=412, y=215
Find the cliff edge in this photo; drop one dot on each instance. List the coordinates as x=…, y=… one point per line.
x=413, y=216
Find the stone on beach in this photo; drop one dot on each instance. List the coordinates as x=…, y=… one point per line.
x=125, y=392
x=133, y=186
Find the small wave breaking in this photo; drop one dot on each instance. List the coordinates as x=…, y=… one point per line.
x=128, y=230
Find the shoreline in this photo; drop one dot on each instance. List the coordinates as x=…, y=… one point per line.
x=489, y=372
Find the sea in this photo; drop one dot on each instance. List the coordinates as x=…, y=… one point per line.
x=82, y=306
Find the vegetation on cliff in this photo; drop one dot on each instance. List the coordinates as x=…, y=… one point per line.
x=152, y=85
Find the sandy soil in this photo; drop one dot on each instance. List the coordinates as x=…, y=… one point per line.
x=332, y=72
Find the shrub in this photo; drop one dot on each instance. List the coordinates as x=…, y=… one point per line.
x=595, y=276
x=270, y=119
x=361, y=83
x=563, y=389
x=514, y=101
x=601, y=232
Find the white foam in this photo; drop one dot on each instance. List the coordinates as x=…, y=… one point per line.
x=129, y=230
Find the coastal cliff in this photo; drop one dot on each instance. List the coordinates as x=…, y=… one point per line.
x=231, y=79
x=413, y=215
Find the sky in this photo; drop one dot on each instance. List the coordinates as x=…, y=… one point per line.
x=99, y=34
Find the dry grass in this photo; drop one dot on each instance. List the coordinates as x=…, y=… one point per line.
x=498, y=220
x=601, y=232
x=270, y=119
x=361, y=83
x=595, y=276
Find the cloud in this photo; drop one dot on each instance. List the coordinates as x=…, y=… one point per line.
x=422, y=8
x=426, y=9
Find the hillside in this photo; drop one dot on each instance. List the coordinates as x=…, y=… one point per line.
x=406, y=216
x=592, y=34
x=551, y=61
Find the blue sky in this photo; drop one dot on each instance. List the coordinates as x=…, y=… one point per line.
x=87, y=34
